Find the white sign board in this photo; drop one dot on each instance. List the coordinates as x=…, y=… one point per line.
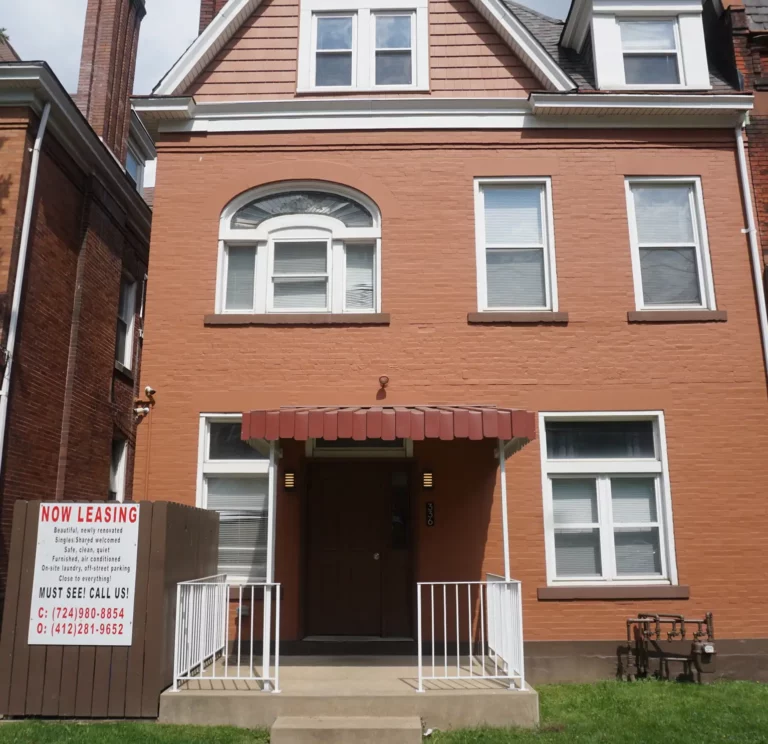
x=85, y=575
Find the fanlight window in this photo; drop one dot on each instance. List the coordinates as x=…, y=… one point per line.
x=299, y=250
x=348, y=211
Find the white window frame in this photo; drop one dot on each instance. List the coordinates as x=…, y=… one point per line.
x=237, y=468
x=119, y=472
x=127, y=350
x=294, y=236
x=678, y=52
x=548, y=235
x=701, y=238
x=602, y=470
x=300, y=227
x=363, y=43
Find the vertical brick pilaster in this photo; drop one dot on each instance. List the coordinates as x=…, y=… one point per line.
x=107, y=68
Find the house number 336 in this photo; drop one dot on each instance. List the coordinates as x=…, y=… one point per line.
x=430, y=513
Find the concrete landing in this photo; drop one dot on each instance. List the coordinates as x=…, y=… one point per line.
x=343, y=687
x=357, y=730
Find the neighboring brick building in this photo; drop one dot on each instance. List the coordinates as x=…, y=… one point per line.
x=74, y=246
x=398, y=227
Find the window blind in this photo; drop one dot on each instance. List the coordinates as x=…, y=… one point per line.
x=574, y=500
x=577, y=553
x=633, y=500
x=512, y=215
x=637, y=551
x=309, y=257
x=515, y=278
x=295, y=264
x=241, y=268
x=242, y=503
x=359, y=289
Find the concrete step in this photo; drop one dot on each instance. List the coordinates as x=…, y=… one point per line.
x=346, y=730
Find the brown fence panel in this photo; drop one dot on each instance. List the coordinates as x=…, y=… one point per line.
x=176, y=543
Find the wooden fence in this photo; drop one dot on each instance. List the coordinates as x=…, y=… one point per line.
x=176, y=543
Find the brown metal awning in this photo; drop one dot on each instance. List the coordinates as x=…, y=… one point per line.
x=389, y=422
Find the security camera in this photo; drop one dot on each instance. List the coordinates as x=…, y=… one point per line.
x=149, y=390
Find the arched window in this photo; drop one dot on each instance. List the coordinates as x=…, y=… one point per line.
x=299, y=247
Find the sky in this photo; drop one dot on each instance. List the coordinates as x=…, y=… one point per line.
x=52, y=30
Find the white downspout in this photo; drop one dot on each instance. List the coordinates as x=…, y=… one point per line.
x=504, y=516
x=21, y=266
x=753, y=247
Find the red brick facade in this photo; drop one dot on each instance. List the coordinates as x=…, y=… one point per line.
x=707, y=378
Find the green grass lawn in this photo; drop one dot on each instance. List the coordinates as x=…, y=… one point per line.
x=635, y=713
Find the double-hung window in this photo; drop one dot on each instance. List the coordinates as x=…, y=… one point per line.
x=606, y=499
x=651, y=52
x=126, y=311
x=300, y=251
x=380, y=46
x=670, y=255
x=334, y=50
x=515, y=245
x=234, y=480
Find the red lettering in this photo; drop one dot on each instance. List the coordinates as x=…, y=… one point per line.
x=97, y=515
x=108, y=512
x=40, y=612
x=66, y=513
x=45, y=513
x=89, y=514
x=80, y=514
x=122, y=514
x=133, y=515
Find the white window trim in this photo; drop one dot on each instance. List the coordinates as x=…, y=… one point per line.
x=120, y=473
x=678, y=53
x=550, y=265
x=384, y=453
x=130, y=324
x=297, y=227
x=266, y=467
x=704, y=264
x=607, y=467
x=363, y=44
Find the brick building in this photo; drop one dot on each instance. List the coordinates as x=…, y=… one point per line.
x=447, y=290
x=74, y=244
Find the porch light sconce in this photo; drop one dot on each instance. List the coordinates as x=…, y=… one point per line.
x=289, y=481
x=428, y=480
x=383, y=381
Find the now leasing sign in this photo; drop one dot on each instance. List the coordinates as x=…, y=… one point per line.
x=85, y=575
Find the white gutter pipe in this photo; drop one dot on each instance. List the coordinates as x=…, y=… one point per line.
x=754, y=250
x=21, y=265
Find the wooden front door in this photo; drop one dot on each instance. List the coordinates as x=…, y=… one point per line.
x=358, y=575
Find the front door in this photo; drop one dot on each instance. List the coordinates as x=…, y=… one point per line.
x=358, y=573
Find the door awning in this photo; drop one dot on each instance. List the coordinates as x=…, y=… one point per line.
x=389, y=422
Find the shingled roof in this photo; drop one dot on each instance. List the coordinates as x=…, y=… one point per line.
x=757, y=14
x=579, y=66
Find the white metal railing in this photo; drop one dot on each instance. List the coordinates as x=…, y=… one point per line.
x=470, y=630
x=217, y=635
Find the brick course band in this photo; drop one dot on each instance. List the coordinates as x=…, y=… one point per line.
x=650, y=591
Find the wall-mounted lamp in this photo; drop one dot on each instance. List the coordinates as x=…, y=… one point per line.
x=289, y=481
x=383, y=381
x=428, y=480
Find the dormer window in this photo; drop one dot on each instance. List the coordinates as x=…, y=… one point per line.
x=651, y=52
x=370, y=48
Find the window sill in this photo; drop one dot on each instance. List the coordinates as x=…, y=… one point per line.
x=544, y=317
x=335, y=90
x=638, y=591
x=294, y=319
x=677, y=316
x=123, y=370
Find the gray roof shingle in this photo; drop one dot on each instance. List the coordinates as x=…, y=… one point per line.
x=757, y=14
